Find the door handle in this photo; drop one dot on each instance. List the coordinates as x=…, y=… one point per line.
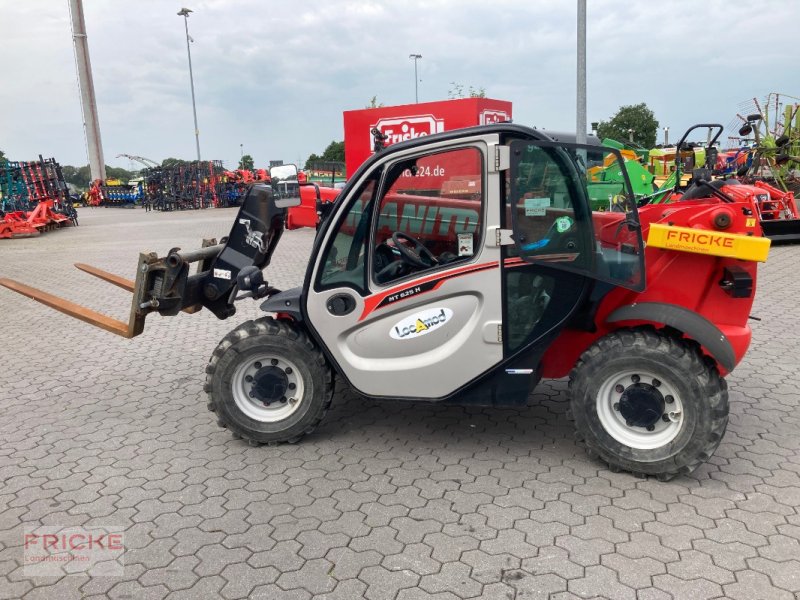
x=341, y=304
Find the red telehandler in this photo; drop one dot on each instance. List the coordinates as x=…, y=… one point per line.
x=471, y=288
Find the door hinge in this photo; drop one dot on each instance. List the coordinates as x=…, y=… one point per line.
x=502, y=158
x=499, y=236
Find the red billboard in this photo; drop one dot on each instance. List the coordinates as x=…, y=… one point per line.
x=410, y=121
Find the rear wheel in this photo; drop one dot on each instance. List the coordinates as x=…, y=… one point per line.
x=268, y=383
x=648, y=403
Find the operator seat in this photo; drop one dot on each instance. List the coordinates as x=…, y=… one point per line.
x=696, y=190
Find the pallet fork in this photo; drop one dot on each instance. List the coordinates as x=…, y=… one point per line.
x=164, y=285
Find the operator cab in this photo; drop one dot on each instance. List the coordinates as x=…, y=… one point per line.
x=444, y=255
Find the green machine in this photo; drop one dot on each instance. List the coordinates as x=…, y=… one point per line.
x=605, y=175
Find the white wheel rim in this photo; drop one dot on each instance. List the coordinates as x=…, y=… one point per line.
x=244, y=381
x=612, y=420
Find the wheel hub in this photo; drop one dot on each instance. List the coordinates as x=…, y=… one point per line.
x=641, y=405
x=640, y=409
x=270, y=384
x=267, y=388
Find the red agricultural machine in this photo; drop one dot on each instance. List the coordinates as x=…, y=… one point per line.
x=775, y=209
x=772, y=163
x=35, y=198
x=465, y=266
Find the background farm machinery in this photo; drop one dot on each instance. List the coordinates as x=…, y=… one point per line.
x=33, y=198
x=184, y=186
x=764, y=166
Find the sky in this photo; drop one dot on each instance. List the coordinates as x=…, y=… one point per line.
x=273, y=77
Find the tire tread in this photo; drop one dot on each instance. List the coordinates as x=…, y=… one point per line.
x=694, y=364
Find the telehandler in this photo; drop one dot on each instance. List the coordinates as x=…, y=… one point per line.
x=464, y=266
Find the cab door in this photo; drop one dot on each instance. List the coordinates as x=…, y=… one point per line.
x=552, y=218
x=561, y=247
x=407, y=294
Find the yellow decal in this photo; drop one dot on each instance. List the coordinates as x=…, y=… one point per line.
x=713, y=243
x=420, y=326
x=750, y=222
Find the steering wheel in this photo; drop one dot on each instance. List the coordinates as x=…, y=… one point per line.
x=416, y=255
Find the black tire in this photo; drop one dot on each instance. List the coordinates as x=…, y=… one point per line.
x=281, y=347
x=675, y=367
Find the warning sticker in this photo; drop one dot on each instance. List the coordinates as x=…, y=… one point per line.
x=536, y=207
x=465, y=244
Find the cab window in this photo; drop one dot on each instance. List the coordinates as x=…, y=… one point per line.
x=430, y=214
x=343, y=262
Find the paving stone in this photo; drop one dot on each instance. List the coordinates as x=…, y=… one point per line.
x=347, y=564
x=540, y=587
x=511, y=542
x=750, y=584
x=636, y=573
x=701, y=589
x=415, y=558
x=601, y=581
x=447, y=548
x=314, y=577
x=489, y=568
x=785, y=575
x=382, y=502
x=386, y=584
x=178, y=575
x=697, y=565
x=455, y=578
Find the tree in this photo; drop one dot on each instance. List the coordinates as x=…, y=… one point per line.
x=334, y=152
x=247, y=163
x=118, y=173
x=2, y=155
x=373, y=103
x=311, y=160
x=635, y=120
x=80, y=177
x=457, y=91
x=174, y=162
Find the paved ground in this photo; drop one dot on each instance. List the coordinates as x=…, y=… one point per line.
x=385, y=500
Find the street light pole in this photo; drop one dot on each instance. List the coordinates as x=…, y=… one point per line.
x=416, y=57
x=580, y=121
x=184, y=12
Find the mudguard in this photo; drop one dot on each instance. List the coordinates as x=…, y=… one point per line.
x=692, y=324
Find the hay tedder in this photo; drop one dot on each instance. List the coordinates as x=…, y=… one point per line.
x=463, y=267
x=772, y=163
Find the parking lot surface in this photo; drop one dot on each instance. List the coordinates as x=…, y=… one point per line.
x=386, y=500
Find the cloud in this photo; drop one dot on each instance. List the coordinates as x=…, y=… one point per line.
x=276, y=76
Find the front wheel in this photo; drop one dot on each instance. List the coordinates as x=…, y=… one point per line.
x=648, y=403
x=268, y=383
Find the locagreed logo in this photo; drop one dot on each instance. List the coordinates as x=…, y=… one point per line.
x=421, y=323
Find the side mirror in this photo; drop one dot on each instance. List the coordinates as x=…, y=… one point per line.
x=285, y=185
